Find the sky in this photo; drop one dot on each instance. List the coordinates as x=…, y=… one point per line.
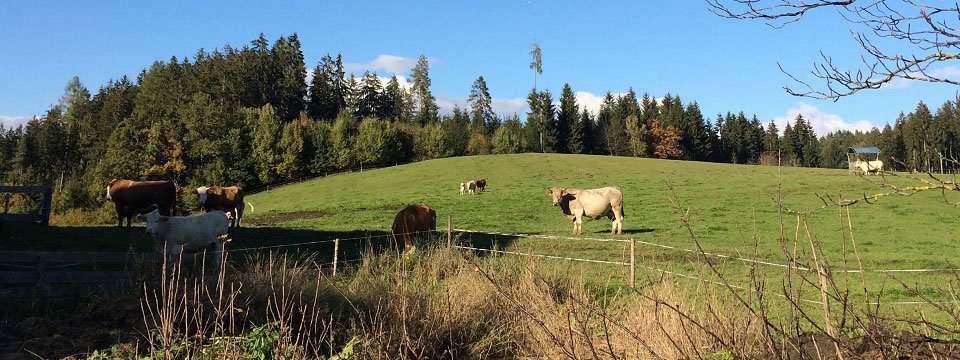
x=656, y=47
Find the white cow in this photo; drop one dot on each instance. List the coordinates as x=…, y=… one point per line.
x=592, y=203
x=871, y=167
x=177, y=234
x=462, y=188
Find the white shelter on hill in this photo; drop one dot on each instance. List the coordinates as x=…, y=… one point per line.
x=864, y=160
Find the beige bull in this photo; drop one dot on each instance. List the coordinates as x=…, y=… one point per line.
x=592, y=203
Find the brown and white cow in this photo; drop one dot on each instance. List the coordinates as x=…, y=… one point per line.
x=227, y=199
x=482, y=185
x=412, y=221
x=592, y=203
x=138, y=197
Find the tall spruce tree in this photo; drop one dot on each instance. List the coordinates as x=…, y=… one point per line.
x=481, y=107
x=568, y=128
x=425, y=106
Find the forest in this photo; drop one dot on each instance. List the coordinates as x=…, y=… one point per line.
x=253, y=116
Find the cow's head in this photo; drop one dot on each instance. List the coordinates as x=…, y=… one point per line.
x=557, y=194
x=109, y=184
x=153, y=220
x=202, y=195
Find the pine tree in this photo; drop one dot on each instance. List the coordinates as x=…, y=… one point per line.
x=696, y=142
x=395, y=100
x=289, y=88
x=771, y=139
x=481, y=107
x=326, y=89
x=425, y=107
x=370, y=102
x=639, y=134
x=541, y=118
x=567, y=121
x=588, y=129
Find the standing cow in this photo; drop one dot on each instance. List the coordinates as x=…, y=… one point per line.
x=176, y=234
x=592, y=203
x=413, y=220
x=482, y=185
x=227, y=199
x=138, y=197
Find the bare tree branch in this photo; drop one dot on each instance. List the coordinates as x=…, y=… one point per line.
x=931, y=30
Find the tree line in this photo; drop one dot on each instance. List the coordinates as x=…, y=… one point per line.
x=248, y=116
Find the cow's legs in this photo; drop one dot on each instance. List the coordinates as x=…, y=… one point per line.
x=239, y=211
x=577, y=225
x=618, y=220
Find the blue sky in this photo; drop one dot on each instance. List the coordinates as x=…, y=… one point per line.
x=658, y=47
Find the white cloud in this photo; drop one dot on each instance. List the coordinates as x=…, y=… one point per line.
x=822, y=123
x=390, y=63
x=14, y=121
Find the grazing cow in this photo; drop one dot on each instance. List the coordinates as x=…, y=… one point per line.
x=481, y=185
x=137, y=197
x=410, y=222
x=176, y=234
x=472, y=187
x=227, y=199
x=592, y=203
x=463, y=188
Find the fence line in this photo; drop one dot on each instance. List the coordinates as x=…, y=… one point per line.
x=723, y=256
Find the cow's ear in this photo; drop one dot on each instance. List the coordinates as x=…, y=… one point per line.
x=563, y=192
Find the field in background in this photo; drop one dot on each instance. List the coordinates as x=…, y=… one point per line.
x=732, y=211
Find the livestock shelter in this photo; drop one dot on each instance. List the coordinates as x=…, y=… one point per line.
x=864, y=160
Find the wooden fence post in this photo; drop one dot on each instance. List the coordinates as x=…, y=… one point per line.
x=449, y=233
x=633, y=263
x=336, y=249
x=45, y=205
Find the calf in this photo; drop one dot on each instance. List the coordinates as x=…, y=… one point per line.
x=592, y=203
x=137, y=197
x=227, y=199
x=412, y=221
x=462, y=188
x=176, y=234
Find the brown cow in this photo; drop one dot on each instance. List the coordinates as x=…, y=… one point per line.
x=139, y=197
x=482, y=185
x=410, y=222
x=228, y=199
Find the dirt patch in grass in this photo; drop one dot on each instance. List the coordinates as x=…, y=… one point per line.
x=282, y=218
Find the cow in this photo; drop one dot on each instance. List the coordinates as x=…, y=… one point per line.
x=176, y=234
x=413, y=220
x=592, y=203
x=472, y=187
x=482, y=185
x=463, y=188
x=227, y=199
x=137, y=197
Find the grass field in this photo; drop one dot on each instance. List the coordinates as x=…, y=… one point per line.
x=732, y=211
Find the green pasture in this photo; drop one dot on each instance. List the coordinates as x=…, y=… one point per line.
x=732, y=211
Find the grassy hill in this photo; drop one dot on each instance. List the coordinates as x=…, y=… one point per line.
x=732, y=210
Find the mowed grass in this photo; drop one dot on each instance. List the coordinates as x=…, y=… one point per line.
x=732, y=211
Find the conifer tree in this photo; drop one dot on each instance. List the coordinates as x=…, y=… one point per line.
x=425, y=106
x=567, y=124
x=481, y=107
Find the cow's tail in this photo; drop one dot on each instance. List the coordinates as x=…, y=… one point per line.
x=249, y=203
